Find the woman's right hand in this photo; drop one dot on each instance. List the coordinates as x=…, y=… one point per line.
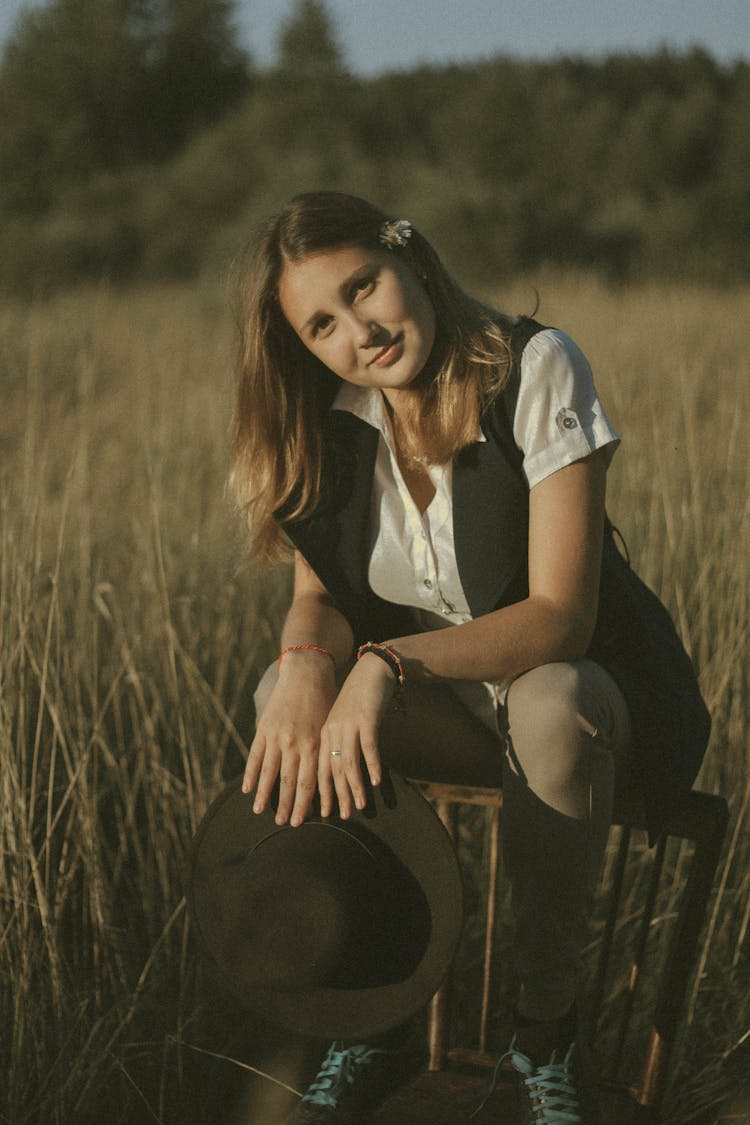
x=287, y=737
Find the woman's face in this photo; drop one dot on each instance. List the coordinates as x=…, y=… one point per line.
x=364, y=313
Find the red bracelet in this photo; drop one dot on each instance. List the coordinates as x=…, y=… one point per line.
x=306, y=648
x=389, y=655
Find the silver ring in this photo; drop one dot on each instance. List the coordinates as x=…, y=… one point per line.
x=336, y=753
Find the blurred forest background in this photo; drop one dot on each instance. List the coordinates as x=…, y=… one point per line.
x=139, y=141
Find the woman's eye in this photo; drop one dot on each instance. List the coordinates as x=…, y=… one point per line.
x=363, y=286
x=323, y=326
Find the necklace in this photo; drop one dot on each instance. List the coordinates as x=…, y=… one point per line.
x=414, y=461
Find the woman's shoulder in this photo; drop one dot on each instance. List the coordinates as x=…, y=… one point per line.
x=551, y=343
x=551, y=356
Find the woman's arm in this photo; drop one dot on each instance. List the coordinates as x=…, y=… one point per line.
x=556, y=621
x=313, y=618
x=287, y=737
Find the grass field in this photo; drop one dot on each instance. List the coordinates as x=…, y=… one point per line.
x=132, y=634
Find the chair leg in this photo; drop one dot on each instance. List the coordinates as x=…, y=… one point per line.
x=438, y=1016
x=639, y=959
x=437, y=1028
x=703, y=817
x=489, y=933
x=597, y=992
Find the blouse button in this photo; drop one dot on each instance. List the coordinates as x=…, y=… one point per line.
x=428, y=583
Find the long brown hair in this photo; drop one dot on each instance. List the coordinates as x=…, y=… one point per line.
x=284, y=392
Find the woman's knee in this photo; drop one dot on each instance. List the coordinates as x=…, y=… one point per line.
x=547, y=704
x=551, y=733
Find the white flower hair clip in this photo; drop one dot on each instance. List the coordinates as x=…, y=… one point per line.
x=395, y=232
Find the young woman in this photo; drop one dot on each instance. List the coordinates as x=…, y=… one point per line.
x=439, y=470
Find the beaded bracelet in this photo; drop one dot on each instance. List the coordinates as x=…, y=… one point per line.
x=306, y=648
x=389, y=655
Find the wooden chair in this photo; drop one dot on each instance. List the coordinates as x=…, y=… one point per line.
x=702, y=820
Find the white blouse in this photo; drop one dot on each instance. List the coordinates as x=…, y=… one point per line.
x=559, y=419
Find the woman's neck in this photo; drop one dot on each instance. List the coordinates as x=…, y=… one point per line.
x=401, y=403
x=403, y=416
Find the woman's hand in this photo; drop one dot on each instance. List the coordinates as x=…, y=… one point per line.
x=352, y=727
x=287, y=738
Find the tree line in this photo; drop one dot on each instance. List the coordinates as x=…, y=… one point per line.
x=139, y=140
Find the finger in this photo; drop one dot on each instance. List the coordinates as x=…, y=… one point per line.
x=266, y=781
x=306, y=782
x=287, y=786
x=253, y=764
x=353, y=771
x=371, y=755
x=325, y=781
x=339, y=773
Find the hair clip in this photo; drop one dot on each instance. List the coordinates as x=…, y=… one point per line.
x=395, y=232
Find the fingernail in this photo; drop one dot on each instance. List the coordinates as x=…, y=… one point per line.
x=359, y=802
x=258, y=807
x=245, y=787
x=295, y=822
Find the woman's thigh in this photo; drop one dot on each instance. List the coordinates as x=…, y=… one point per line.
x=435, y=737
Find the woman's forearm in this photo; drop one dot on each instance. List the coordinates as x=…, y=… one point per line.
x=497, y=646
x=313, y=619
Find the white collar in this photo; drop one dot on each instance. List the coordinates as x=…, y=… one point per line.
x=366, y=403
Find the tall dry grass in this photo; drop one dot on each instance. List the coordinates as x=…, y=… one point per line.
x=131, y=637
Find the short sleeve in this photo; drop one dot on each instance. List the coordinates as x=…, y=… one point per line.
x=559, y=417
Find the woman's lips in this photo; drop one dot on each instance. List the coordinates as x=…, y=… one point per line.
x=390, y=354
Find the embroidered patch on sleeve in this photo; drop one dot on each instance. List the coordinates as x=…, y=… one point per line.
x=567, y=420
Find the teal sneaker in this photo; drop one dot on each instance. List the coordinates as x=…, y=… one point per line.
x=352, y=1082
x=556, y=1092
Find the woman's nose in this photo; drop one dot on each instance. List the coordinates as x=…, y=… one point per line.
x=364, y=329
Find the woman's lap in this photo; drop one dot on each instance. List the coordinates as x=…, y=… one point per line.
x=563, y=738
x=434, y=736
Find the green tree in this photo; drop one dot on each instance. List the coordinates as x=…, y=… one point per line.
x=92, y=85
x=307, y=45
x=196, y=69
x=69, y=76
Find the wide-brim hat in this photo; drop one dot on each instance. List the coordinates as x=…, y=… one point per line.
x=338, y=928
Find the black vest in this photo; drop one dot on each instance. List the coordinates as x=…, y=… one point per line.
x=634, y=638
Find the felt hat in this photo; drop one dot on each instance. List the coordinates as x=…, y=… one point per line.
x=338, y=929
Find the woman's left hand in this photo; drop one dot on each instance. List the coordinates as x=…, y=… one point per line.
x=352, y=727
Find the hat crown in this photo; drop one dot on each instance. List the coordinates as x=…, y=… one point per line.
x=325, y=904
x=337, y=928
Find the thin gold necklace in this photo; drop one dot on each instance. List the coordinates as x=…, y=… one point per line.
x=411, y=460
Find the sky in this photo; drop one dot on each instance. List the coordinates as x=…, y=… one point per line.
x=378, y=35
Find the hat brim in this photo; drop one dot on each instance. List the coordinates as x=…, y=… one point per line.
x=397, y=813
